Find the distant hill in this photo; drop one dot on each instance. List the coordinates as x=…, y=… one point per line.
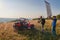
x=35, y=18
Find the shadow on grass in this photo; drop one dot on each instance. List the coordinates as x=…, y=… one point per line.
x=35, y=34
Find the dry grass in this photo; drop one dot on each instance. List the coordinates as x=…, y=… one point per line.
x=7, y=31
x=48, y=25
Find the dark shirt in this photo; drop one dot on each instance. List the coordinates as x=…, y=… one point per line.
x=42, y=21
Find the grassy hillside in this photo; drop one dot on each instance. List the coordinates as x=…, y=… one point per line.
x=7, y=32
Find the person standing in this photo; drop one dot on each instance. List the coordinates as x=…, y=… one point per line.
x=42, y=21
x=54, y=25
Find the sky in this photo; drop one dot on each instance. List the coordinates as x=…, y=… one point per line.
x=27, y=8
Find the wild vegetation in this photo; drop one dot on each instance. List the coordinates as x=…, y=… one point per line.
x=7, y=32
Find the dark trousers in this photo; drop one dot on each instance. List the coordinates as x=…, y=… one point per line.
x=42, y=27
x=54, y=31
x=54, y=28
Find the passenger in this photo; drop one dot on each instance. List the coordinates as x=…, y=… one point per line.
x=29, y=26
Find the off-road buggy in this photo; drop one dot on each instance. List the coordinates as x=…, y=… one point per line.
x=22, y=24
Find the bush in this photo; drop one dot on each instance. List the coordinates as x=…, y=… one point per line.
x=58, y=16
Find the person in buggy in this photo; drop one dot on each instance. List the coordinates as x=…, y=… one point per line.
x=27, y=24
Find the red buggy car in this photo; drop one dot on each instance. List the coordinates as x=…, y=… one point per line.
x=22, y=24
